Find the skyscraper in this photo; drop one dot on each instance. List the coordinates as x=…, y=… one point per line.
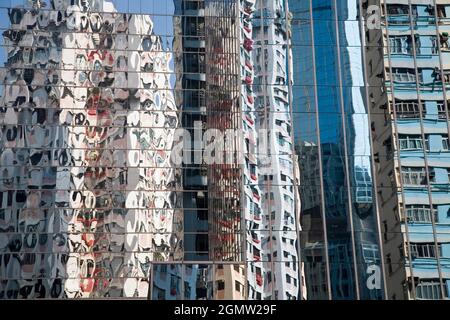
x=224, y=149
x=410, y=123
x=87, y=127
x=372, y=140
x=340, y=245
x=98, y=98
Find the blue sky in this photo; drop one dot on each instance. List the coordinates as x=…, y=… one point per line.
x=160, y=10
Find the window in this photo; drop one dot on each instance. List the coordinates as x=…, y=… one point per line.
x=417, y=213
x=288, y=199
x=397, y=9
x=389, y=263
x=441, y=110
x=220, y=285
x=363, y=185
x=159, y=293
x=445, y=143
x=269, y=196
x=174, y=285
x=410, y=142
x=442, y=11
x=400, y=44
x=404, y=75
x=187, y=290
x=430, y=290
x=408, y=108
x=371, y=253
x=237, y=286
x=414, y=176
x=288, y=278
x=280, y=139
x=425, y=250
x=193, y=5
x=386, y=230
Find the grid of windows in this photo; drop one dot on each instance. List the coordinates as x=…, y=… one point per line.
x=417, y=93
x=93, y=93
x=93, y=96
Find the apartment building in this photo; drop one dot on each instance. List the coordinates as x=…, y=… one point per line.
x=410, y=123
x=280, y=202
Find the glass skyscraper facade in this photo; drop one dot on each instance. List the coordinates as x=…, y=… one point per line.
x=224, y=149
x=88, y=120
x=99, y=98
x=340, y=238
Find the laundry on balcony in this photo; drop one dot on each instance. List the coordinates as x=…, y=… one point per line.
x=443, y=37
x=249, y=119
x=259, y=280
x=255, y=194
x=248, y=44
x=248, y=9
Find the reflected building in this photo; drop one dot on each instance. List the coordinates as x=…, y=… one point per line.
x=340, y=241
x=332, y=184
x=88, y=118
x=372, y=122
x=410, y=125
x=275, y=174
x=91, y=203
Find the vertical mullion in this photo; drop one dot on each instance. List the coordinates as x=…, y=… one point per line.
x=427, y=172
x=444, y=92
x=395, y=133
x=293, y=156
x=373, y=169
x=347, y=171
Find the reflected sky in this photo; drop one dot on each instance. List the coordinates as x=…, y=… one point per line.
x=161, y=13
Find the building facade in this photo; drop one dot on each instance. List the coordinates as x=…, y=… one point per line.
x=98, y=99
x=340, y=240
x=372, y=130
x=224, y=149
x=411, y=128
x=88, y=188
